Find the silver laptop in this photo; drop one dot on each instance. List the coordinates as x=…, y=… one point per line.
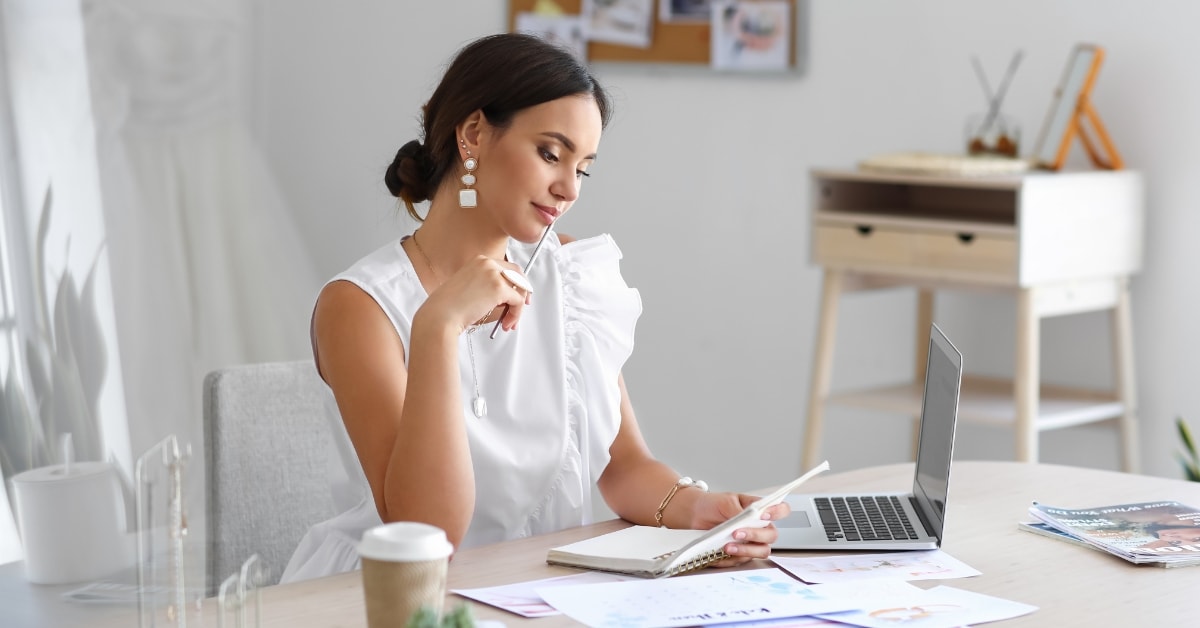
x=891, y=521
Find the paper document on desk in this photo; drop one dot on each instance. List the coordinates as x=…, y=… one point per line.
x=939, y=607
x=926, y=565
x=715, y=597
x=522, y=598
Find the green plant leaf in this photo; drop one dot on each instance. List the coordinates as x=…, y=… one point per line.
x=426, y=617
x=69, y=409
x=41, y=388
x=1190, y=459
x=76, y=407
x=460, y=617
x=1190, y=469
x=21, y=444
x=87, y=338
x=39, y=263
x=7, y=468
x=36, y=361
x=1186, y=435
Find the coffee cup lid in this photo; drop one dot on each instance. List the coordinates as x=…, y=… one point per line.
x=405, y=541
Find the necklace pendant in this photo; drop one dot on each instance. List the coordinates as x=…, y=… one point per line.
x=479, y=406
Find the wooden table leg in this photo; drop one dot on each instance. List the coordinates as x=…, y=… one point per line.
x=921, y=353
x=818, y=391
x=1126, y=384
x=1026, y=376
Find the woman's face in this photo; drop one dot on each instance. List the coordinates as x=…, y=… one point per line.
x=530, y=173
x=1184, y=536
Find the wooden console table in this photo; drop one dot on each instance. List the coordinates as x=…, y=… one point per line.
x=1065, y=243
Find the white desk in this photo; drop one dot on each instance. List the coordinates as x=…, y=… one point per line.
x=25, y=605
x=1072, y=586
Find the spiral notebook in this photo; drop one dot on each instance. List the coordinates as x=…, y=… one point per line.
x=650, y=552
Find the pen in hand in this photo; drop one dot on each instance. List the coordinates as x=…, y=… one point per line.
x=532, y=258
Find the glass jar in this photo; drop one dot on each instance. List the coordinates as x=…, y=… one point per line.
x=999, y=137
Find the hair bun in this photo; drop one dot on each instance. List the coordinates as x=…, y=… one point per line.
x=408, y=176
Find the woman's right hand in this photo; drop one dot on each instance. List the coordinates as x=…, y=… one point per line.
x=477, y=294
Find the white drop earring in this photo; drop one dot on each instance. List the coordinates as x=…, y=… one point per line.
x=467, y=197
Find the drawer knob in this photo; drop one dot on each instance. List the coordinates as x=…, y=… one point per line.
x=966, y=238
x=864, y=230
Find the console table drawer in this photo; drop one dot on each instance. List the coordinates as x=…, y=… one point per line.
x=933, y=253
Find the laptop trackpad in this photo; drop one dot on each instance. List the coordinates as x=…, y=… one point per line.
x=798, y=519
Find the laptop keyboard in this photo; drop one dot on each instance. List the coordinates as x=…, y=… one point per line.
x=866, y=518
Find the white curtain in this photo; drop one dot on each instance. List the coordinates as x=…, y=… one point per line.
x=208, y=266
x=58, y=351
x=133, y=113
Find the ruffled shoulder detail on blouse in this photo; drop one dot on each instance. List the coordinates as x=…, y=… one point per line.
x=600, y=312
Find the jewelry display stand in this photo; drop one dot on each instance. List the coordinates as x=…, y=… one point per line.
x=241, y=590
x=168, y=593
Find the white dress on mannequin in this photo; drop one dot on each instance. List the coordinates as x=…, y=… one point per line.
x=552, y=396
x=208, y=265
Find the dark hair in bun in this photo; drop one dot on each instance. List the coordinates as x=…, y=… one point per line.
x=408, y=176
x=499, y=75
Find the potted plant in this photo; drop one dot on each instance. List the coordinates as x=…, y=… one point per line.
x=65, y=360
x=1190, y=457
x=460, y=617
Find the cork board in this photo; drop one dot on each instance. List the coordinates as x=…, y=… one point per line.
x=686, y=43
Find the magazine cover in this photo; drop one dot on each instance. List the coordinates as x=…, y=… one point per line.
x=1049, y=531
x=1145, y=532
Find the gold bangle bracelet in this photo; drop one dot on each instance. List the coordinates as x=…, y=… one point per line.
x=684, y=482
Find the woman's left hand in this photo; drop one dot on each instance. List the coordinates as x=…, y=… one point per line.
x=711, y=509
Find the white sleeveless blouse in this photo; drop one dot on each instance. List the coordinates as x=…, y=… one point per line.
x=551, y=390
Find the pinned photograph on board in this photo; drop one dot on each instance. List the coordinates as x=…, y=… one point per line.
x=751, y=36
x=563, y=30
x=685, y=11
x=625, y=22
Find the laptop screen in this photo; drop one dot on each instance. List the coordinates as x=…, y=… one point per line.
x=939, y=412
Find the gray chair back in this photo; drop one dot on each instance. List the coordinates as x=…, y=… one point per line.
x=266, y=449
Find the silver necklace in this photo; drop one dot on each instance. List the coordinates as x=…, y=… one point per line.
x=478, y=403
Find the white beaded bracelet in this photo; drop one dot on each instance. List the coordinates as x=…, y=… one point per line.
x=684, y=482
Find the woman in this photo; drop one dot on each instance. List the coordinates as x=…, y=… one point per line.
x=1177, y=534
x=494, y=439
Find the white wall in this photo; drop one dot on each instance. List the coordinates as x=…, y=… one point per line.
x=702, y=180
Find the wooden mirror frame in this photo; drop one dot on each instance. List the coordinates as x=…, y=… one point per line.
x=1070, y=107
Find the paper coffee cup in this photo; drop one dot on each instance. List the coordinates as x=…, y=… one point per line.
x=403, y=569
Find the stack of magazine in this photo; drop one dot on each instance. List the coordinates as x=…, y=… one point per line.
x=1164, y=534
